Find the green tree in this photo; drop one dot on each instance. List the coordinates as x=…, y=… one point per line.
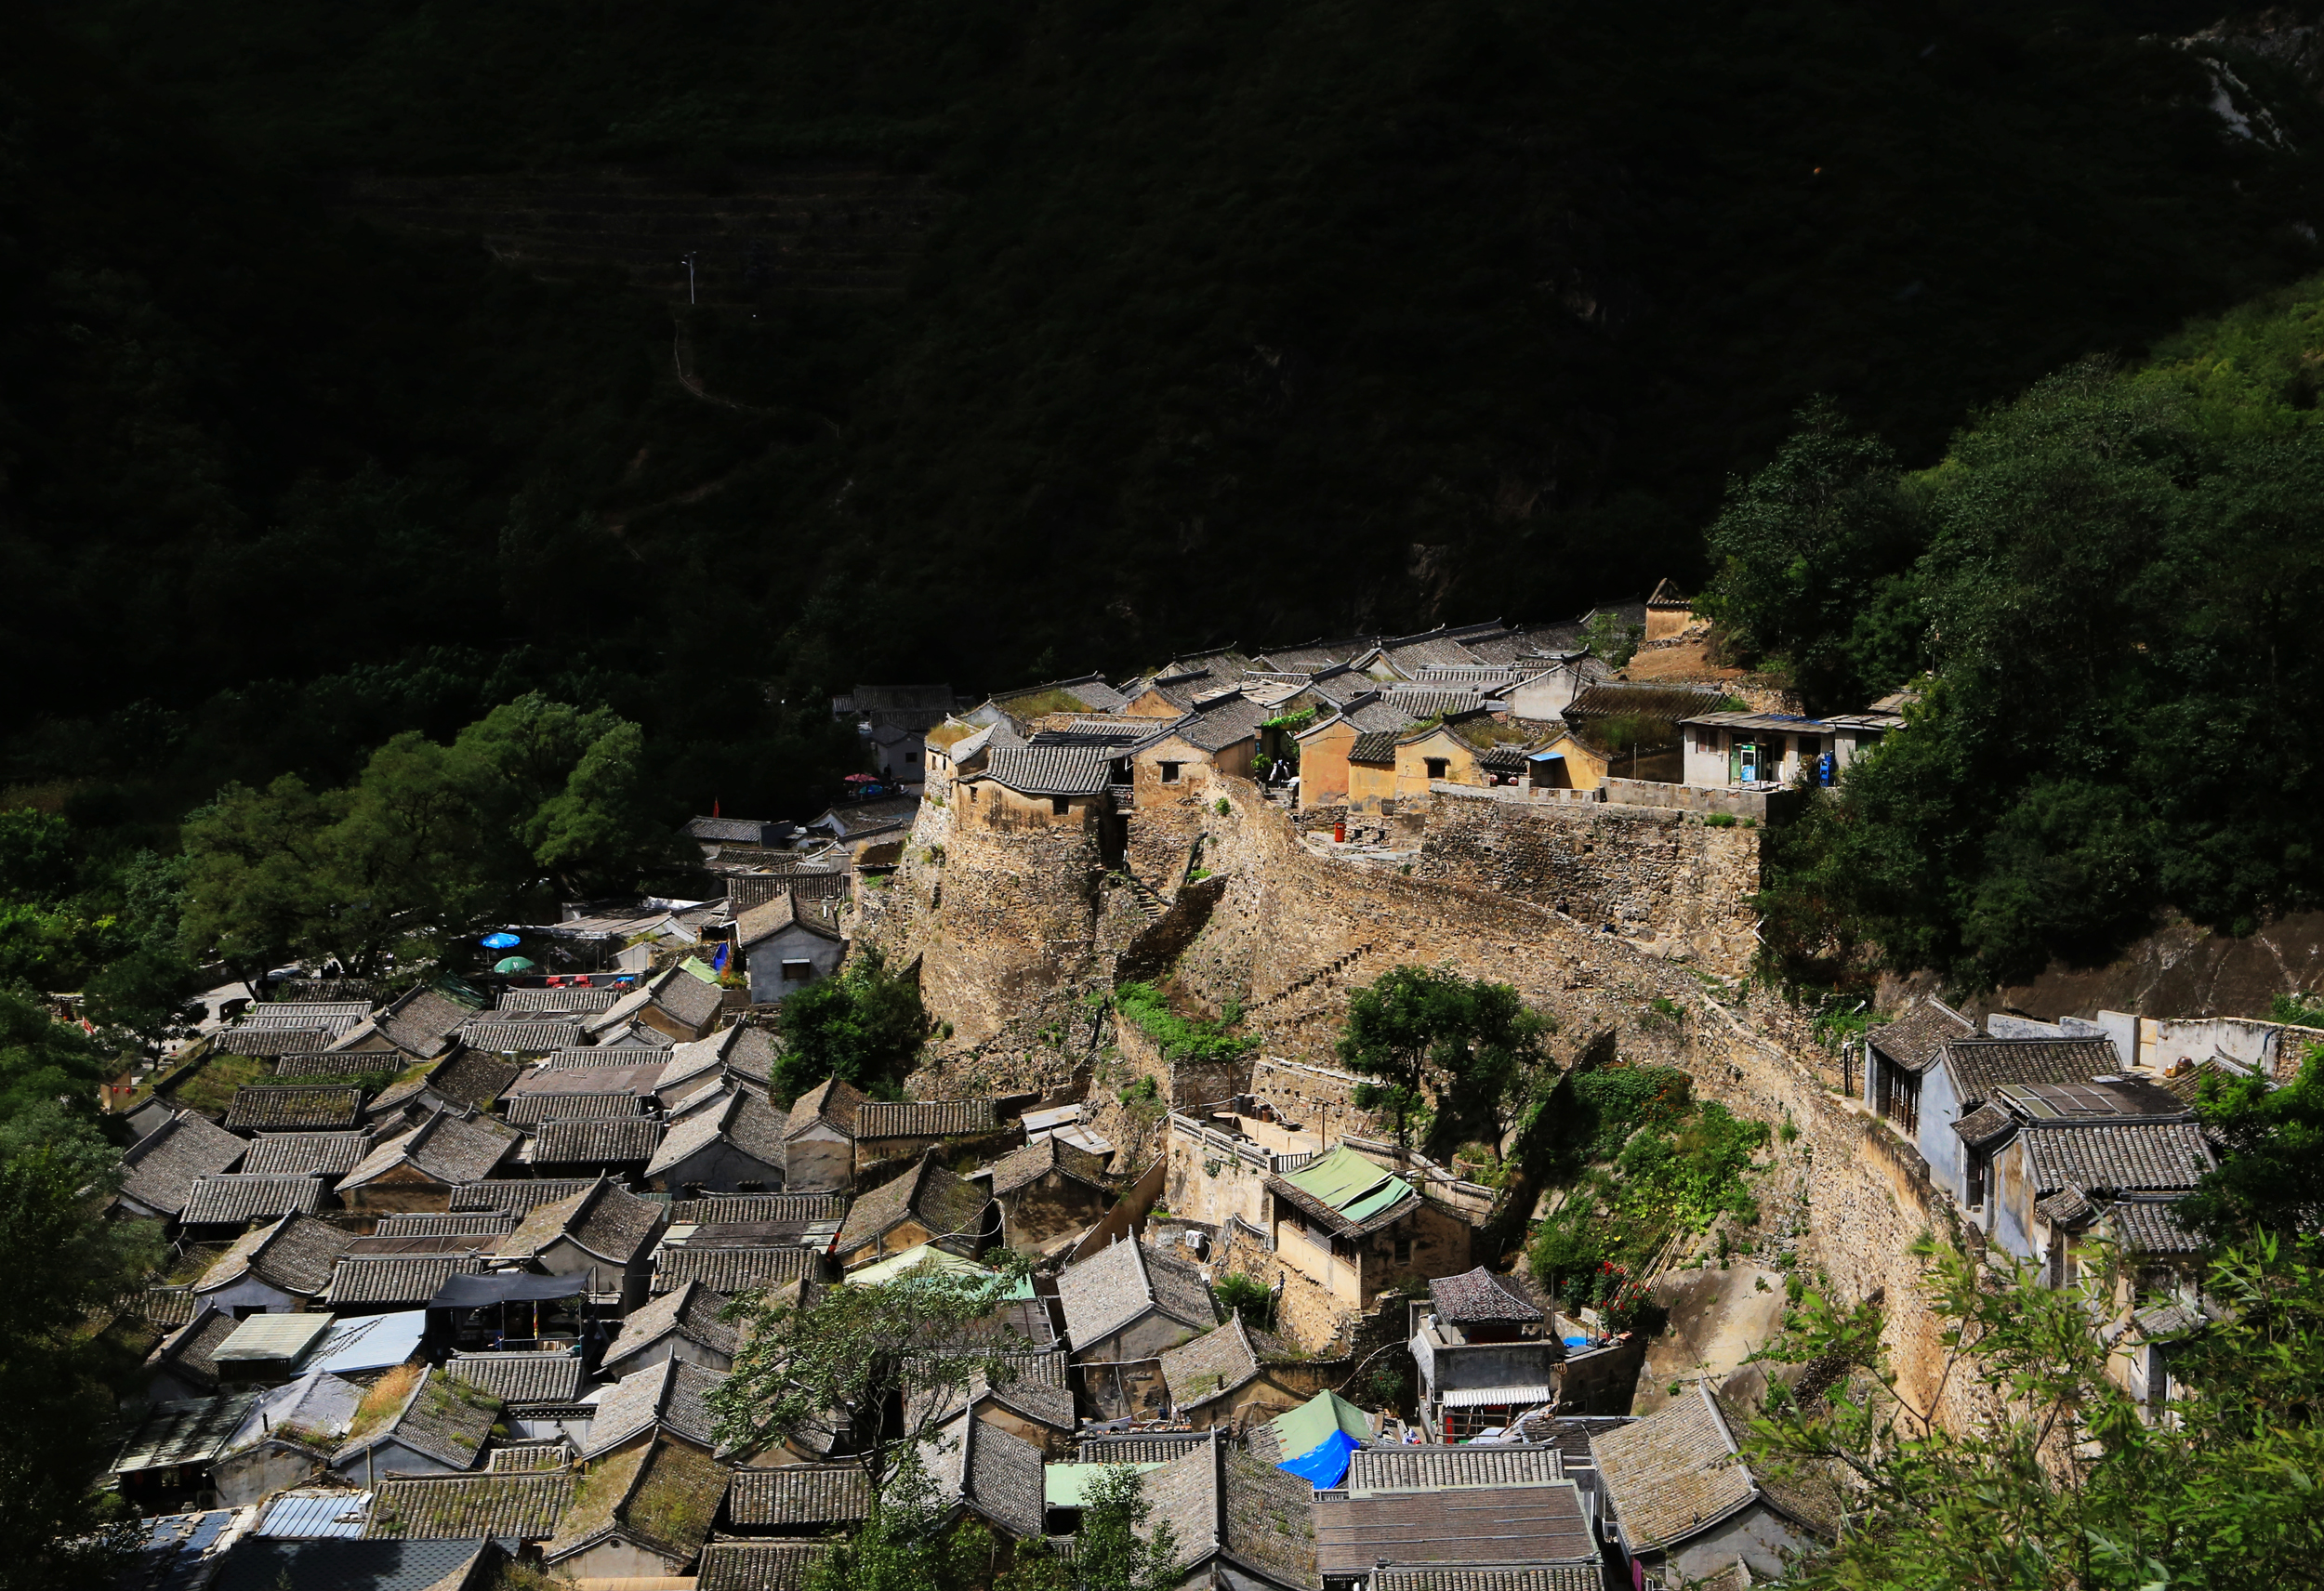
x=2071, y=1488
x=68, y=1267
x=257, y=875
x=898, y=1356
x=2271, y=1166
x=864, y=1027
x=43, y=1061
x=910, y=1543
x=1814, y=554
x=1113, y=1552
x=1475, y=1042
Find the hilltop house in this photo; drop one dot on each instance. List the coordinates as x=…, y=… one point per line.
x=1473, y=747
x=1958, y=1075
x=1128, y=1302
x=1047, y=1190
x=1727, y=748
x=1485, y=1354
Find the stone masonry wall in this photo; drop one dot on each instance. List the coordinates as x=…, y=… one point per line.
x=1661, y=877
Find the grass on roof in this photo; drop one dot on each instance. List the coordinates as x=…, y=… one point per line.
x=381, y=1403
x=1040, y=703
x=950, y=733
x=211, y=1085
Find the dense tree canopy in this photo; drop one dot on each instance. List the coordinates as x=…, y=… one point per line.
x=535, y=802
x=2113, y=581
x=1472, y=1044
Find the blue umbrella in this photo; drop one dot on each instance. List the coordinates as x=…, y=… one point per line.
x=500, y=941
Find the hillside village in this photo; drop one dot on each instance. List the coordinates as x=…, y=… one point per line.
x=456, y=1271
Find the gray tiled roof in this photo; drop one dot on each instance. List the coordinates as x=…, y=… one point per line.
x=729, y=1209
x=191, y=1352
x=234, y=1199
x=1913, y=1038
x=596, y=1142
x=339, y=1062
x=408, y=1280
x=1538, y=1577
x=530, y=1457
x=794, y=1494
x=1673, y=1473
x=1480, y=1296
x=297, y=1254
x=689, y=998
x=423, y=1021
x=1979, y=1066
x=731, y=1269
x=161, y=1166
x=1430, y=1468
x=1434, y=701
x=256, y=1040
x=1156, y=1447
x=452, y=1507
x=447, y=1420
x=2151, y=1227
x=515, y=1194
x=166, y=1308
x=561, y=999
x=1119, y=1284
x=475, y=1077
x=529, y=1036
x=1984, y=1125
x=293, y=1108
x=951, y=1207
x=1037, y=1160
x=444, y=1224
x=521, y=1377
x=1374, y=748
x=746, y=1121
x=924, y=1118
x=757, y=1565
x=636, y=1072
x=2116, y=1156
x=605, y=1219
x=444, y=1147
x=269, y=1563
x=1082, y=770
x=1217, y=1499
x=691, y=1310
x=320, y=1154
x=673, y=1394
x=1494, y=1525
x=532, y=1109
x=832, y=1102
x=1209, y=1366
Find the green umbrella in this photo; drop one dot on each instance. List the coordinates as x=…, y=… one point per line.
x=515, y=964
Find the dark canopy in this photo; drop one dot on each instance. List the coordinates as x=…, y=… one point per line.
x=504, y=1287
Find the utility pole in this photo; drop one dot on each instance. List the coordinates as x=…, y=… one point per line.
x=689, y=262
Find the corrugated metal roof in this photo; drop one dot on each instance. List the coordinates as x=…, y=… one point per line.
x=284, y=1335
x=314, y=1512
x=193, y=1430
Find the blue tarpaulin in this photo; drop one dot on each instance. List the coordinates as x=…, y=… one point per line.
x=1323, y=1466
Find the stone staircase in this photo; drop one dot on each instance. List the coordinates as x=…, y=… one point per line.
x=1331, y=968
x=1146, y=899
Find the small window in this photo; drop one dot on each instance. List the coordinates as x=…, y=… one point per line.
x=911, y=756
x=1058, y=805
x=798, y=971
x=1976, y=1181
x=1169, y=772
x=750, y=1188
x=1403, y=1251
x=1437, y=766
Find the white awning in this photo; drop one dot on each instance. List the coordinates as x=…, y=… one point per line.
x=1491, y=1397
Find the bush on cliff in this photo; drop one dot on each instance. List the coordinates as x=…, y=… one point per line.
x=864, y=1027
x=1179, y=1038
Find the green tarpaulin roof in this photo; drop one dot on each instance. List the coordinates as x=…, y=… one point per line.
x=1350, y=1184
x=1308, y=1426
x=1067, y=1485
x=897, y=1265
x=700, y=970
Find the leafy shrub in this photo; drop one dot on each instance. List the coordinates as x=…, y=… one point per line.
x=1719, y=820
x=1247, y=1297
x=1141, y=1006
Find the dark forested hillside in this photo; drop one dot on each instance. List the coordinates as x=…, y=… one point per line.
x=343, y=345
